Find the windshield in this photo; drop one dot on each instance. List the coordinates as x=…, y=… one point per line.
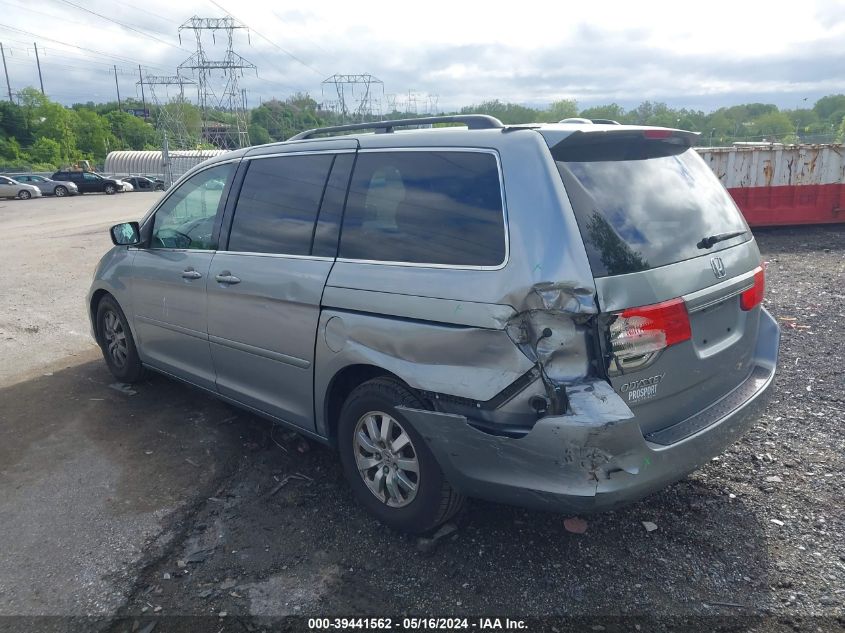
x=642, y=213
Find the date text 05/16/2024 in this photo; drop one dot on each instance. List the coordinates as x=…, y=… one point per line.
x=417, y=624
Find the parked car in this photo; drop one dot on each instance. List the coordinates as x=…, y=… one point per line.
x=48, y=187
x=561, y=316
x=90, y=182
x=143, y=183
x=11, y=188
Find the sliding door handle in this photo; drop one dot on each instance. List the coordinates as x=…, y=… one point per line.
x=227, y=278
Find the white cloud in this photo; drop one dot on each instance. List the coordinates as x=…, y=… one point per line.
x=687, y=54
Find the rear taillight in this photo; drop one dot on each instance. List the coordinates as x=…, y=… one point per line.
x=657, y=133
x=754, y=295
x=648, y=329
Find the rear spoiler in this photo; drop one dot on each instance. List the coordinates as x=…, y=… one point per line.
x=617, y=143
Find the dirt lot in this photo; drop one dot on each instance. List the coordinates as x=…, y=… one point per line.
x=167, y=502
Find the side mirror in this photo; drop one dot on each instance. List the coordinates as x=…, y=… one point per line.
x=126, y=234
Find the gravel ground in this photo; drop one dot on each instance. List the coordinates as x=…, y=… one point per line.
x=48, y=249
x=757, y=533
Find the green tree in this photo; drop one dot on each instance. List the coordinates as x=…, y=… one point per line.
x=831, y=108
x=258, y=135
x=510, y=113
x=613, y=111
x=46, y=151
x=773, y=126
x=130, y=131
x=49, y=120
x=93, y=133
x=840, y=137
x=10, y=149
x=561, y=109
x=14, y=123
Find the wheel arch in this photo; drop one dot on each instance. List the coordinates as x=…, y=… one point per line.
x=93, y=304
x=342, y=384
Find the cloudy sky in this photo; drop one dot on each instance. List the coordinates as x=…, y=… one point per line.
x=720, y=53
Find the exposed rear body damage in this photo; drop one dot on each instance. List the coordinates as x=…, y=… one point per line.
x=595, y=457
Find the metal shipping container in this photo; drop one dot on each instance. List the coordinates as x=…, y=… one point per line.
x=777, y=184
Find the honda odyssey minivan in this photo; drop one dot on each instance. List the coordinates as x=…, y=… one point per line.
x=564, y=316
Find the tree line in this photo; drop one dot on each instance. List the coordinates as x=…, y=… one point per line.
x=39, y=134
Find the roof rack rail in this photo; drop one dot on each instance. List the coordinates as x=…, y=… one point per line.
x=472, y=121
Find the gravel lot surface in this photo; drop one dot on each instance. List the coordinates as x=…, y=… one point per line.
x=184, y=506
x=759, y=532
x=48, y=250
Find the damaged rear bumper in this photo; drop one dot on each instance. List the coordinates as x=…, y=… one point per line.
x=596, y=457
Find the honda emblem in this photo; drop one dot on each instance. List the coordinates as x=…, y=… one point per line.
x=718, y=267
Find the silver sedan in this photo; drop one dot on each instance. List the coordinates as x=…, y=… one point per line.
x=13, y=189
x=48, y=187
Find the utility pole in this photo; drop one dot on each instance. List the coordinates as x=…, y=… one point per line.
x=117, y=86
x=38, y=63
x=143, y=98
x=165, y=159
x=6, y=70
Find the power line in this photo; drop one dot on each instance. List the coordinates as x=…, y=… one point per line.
x=125, y=60
x=122, y=24
x=317, y=44
x=267, y=39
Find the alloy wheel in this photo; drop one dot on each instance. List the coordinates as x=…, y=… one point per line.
x=386, y=459
x=115, y=338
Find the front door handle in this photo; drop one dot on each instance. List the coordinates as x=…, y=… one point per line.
x=190, y=273
x=227, y=278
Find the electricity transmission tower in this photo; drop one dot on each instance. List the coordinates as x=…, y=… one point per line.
x=171, y=110
x=352, y=106
x=230, y=99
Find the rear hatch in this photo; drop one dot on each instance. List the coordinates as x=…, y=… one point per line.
x=678, y=274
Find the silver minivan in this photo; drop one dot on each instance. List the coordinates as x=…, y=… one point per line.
x=562, y=316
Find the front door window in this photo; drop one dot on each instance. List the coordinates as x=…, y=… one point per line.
x=186, y=220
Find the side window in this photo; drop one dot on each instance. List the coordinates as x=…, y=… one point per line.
x=278, y=204
x=425, y=207
x=23, y=179
x=90, y=177
x=5, y=181
x=186, y=218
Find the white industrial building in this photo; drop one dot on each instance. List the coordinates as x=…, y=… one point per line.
x=151, y=163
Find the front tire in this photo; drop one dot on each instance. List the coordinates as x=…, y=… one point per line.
x=116, y=342
x=24, y=195
x=390, y=468
x=110, y=190
x=60, y=191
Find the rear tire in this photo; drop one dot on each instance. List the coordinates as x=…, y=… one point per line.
x=381, y=476
x=116, y=342
x=60, y=191
x=24, y=195
x=110, y=190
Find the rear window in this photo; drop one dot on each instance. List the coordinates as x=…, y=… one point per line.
x=425, y=207
x=641, y=205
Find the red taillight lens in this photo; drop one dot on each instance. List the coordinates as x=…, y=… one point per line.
x=647, y=329
x=657, y=133
x=754, y=295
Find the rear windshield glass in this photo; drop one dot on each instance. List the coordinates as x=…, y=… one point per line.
x=642, y=213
